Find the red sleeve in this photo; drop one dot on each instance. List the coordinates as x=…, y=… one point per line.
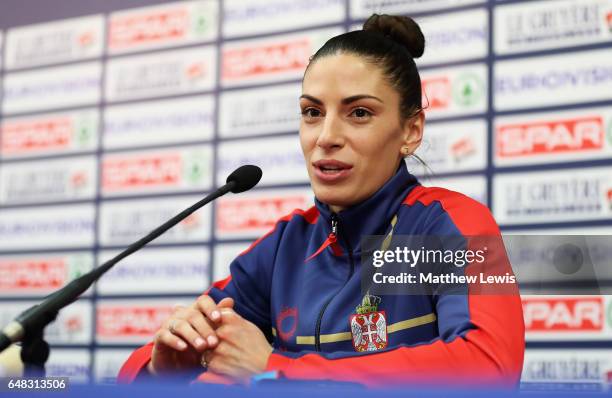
x=490, y=353
x=136, y=363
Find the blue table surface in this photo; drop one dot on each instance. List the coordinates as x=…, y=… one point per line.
x=301, y=390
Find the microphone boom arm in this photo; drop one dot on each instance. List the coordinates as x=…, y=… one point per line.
x=32, y=321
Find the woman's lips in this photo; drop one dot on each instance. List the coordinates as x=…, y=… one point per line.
x=331, y=170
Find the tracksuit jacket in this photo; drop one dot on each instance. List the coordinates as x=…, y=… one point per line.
x=300, y=284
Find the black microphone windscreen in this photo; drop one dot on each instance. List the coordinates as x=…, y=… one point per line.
x=244, y=178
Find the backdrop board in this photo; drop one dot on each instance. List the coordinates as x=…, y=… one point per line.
x=115, y=115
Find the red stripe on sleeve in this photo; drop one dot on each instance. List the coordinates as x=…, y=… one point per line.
x=137, y=361
x=466, y=213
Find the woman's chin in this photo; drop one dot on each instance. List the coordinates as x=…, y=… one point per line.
x=332, y=197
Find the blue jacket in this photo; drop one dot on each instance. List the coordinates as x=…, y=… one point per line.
x=301, y=284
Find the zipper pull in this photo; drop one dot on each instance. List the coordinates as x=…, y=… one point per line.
x=331, y=241
x=333, y=236
x=334, y=226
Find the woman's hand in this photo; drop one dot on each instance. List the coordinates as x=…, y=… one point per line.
x=179, y=343
x=243, y=350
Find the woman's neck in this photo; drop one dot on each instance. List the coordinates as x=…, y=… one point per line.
x=336, y=209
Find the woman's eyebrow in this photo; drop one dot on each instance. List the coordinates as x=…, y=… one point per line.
x=345, y=101
x=353, y=98
x=311, y=98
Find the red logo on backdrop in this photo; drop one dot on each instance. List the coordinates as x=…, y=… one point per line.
x=161, y=170
x=559, y=136
x=256, y=213
x=462, y=149
x=563, y=314
x=29, y=136
x=86, y=39
x=32, y=274
x=196, y=71
x=369, y=331
x=436, y=92
x=274, y=58
x=191, y=222
x=73, y=324
x=130, y=321
x=132, y=30
x=79, y=179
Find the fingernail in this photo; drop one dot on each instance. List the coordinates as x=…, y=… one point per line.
x=215, y=315
x=212, y=340
x=199, y=341
x=181, y=345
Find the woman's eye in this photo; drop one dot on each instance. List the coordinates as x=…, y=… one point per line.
x=311, y=112
x=361, y=113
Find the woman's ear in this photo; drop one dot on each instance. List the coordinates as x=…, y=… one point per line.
x=413, y=133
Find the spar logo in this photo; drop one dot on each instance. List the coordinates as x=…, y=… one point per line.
x=441, y=93
x=46, y=134
x=256, y=213
x=584, y=314
x=130, y=321
x=28, y=274
x=155, y=170
x=290, y=56
x=155, y=27
x=550, y=137
x=40, y=274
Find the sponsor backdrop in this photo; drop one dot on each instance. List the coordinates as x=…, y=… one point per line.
x=113, y=119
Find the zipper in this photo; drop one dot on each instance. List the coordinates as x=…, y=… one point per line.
x=333, y=236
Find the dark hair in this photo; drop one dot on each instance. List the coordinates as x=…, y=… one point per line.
x=391, y=42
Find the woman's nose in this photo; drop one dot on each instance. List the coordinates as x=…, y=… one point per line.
x=331, y=134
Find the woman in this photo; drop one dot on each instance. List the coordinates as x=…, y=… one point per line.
x=298, y=287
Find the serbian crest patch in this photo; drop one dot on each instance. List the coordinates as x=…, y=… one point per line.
x=369, y=326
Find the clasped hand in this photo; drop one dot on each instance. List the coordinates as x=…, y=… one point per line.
x=211, y=334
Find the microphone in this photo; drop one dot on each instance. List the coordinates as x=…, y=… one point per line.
x=34, y=319
x=244, y=178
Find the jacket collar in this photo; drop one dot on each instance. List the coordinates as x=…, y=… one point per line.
x=373, y=215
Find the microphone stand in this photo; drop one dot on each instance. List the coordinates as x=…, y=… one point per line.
x=30, y=325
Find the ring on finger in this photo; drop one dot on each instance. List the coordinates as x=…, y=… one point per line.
x=172, y=326
x=203, y=361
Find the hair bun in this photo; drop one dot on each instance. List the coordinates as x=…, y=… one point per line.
x=401, y=29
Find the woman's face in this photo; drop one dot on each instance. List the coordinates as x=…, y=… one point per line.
x=351, y=131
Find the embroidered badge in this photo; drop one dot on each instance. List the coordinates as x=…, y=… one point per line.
x=369, y=326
